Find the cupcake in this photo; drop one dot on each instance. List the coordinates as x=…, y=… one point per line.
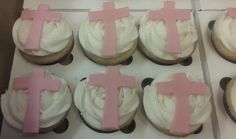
x=37, y=103
x=109, y=35
x=177, y=104
x=229, y=99
x=223, y=35
x=41, y=36
x=167, y=36
x=107, y=102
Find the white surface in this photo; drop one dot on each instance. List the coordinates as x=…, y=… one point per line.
x=217, y=4
x=82, y=67
x=88, y=4
x=218, y=68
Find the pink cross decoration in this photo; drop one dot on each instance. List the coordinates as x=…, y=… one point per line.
x=231, y=12
x=109, y=15
x=38, y=16
x=35, y=85
x=112, y=80
x=181, y=88
x=169, y=15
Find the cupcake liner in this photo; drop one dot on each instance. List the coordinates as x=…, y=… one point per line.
x=161, y=61
x=50, y=59
x=51, y=128
x=227, y=103
x=220, y=48
x=48, y=129
x=126, y=128
x=94, y=129
x=119, y=59
x=220, y=53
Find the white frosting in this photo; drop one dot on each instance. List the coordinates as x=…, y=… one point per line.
x=160, y=108
x=153, y=36
x=55, y=36
x=54, y=105
x=90, y=102
x=225, y=30
x=91, y=35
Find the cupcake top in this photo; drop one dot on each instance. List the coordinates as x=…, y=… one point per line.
x=98, y=106
x=41, y=32
x=108, y=31
x=168, y=33
x=225, y=29
x=36, y=101
x=174, y=98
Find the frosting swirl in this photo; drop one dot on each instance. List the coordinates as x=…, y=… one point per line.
x=90, y=102
x=54, y=105
x=160, y=108
x=55, y=36
x=91, y=35
x=225, y=30
x=153, y=36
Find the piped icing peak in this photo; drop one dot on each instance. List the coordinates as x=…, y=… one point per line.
x=35, y=85
x=38, y=16
x=112, y=80
x=109, y=15
x=181, y=88
x=170, y=15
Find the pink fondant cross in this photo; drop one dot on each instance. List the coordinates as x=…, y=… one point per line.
x=112, y=80
x=231, y=12
x=35, y=85
x=169, y=14
x=38, y=17
x=109, y=15
x=181, y=88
